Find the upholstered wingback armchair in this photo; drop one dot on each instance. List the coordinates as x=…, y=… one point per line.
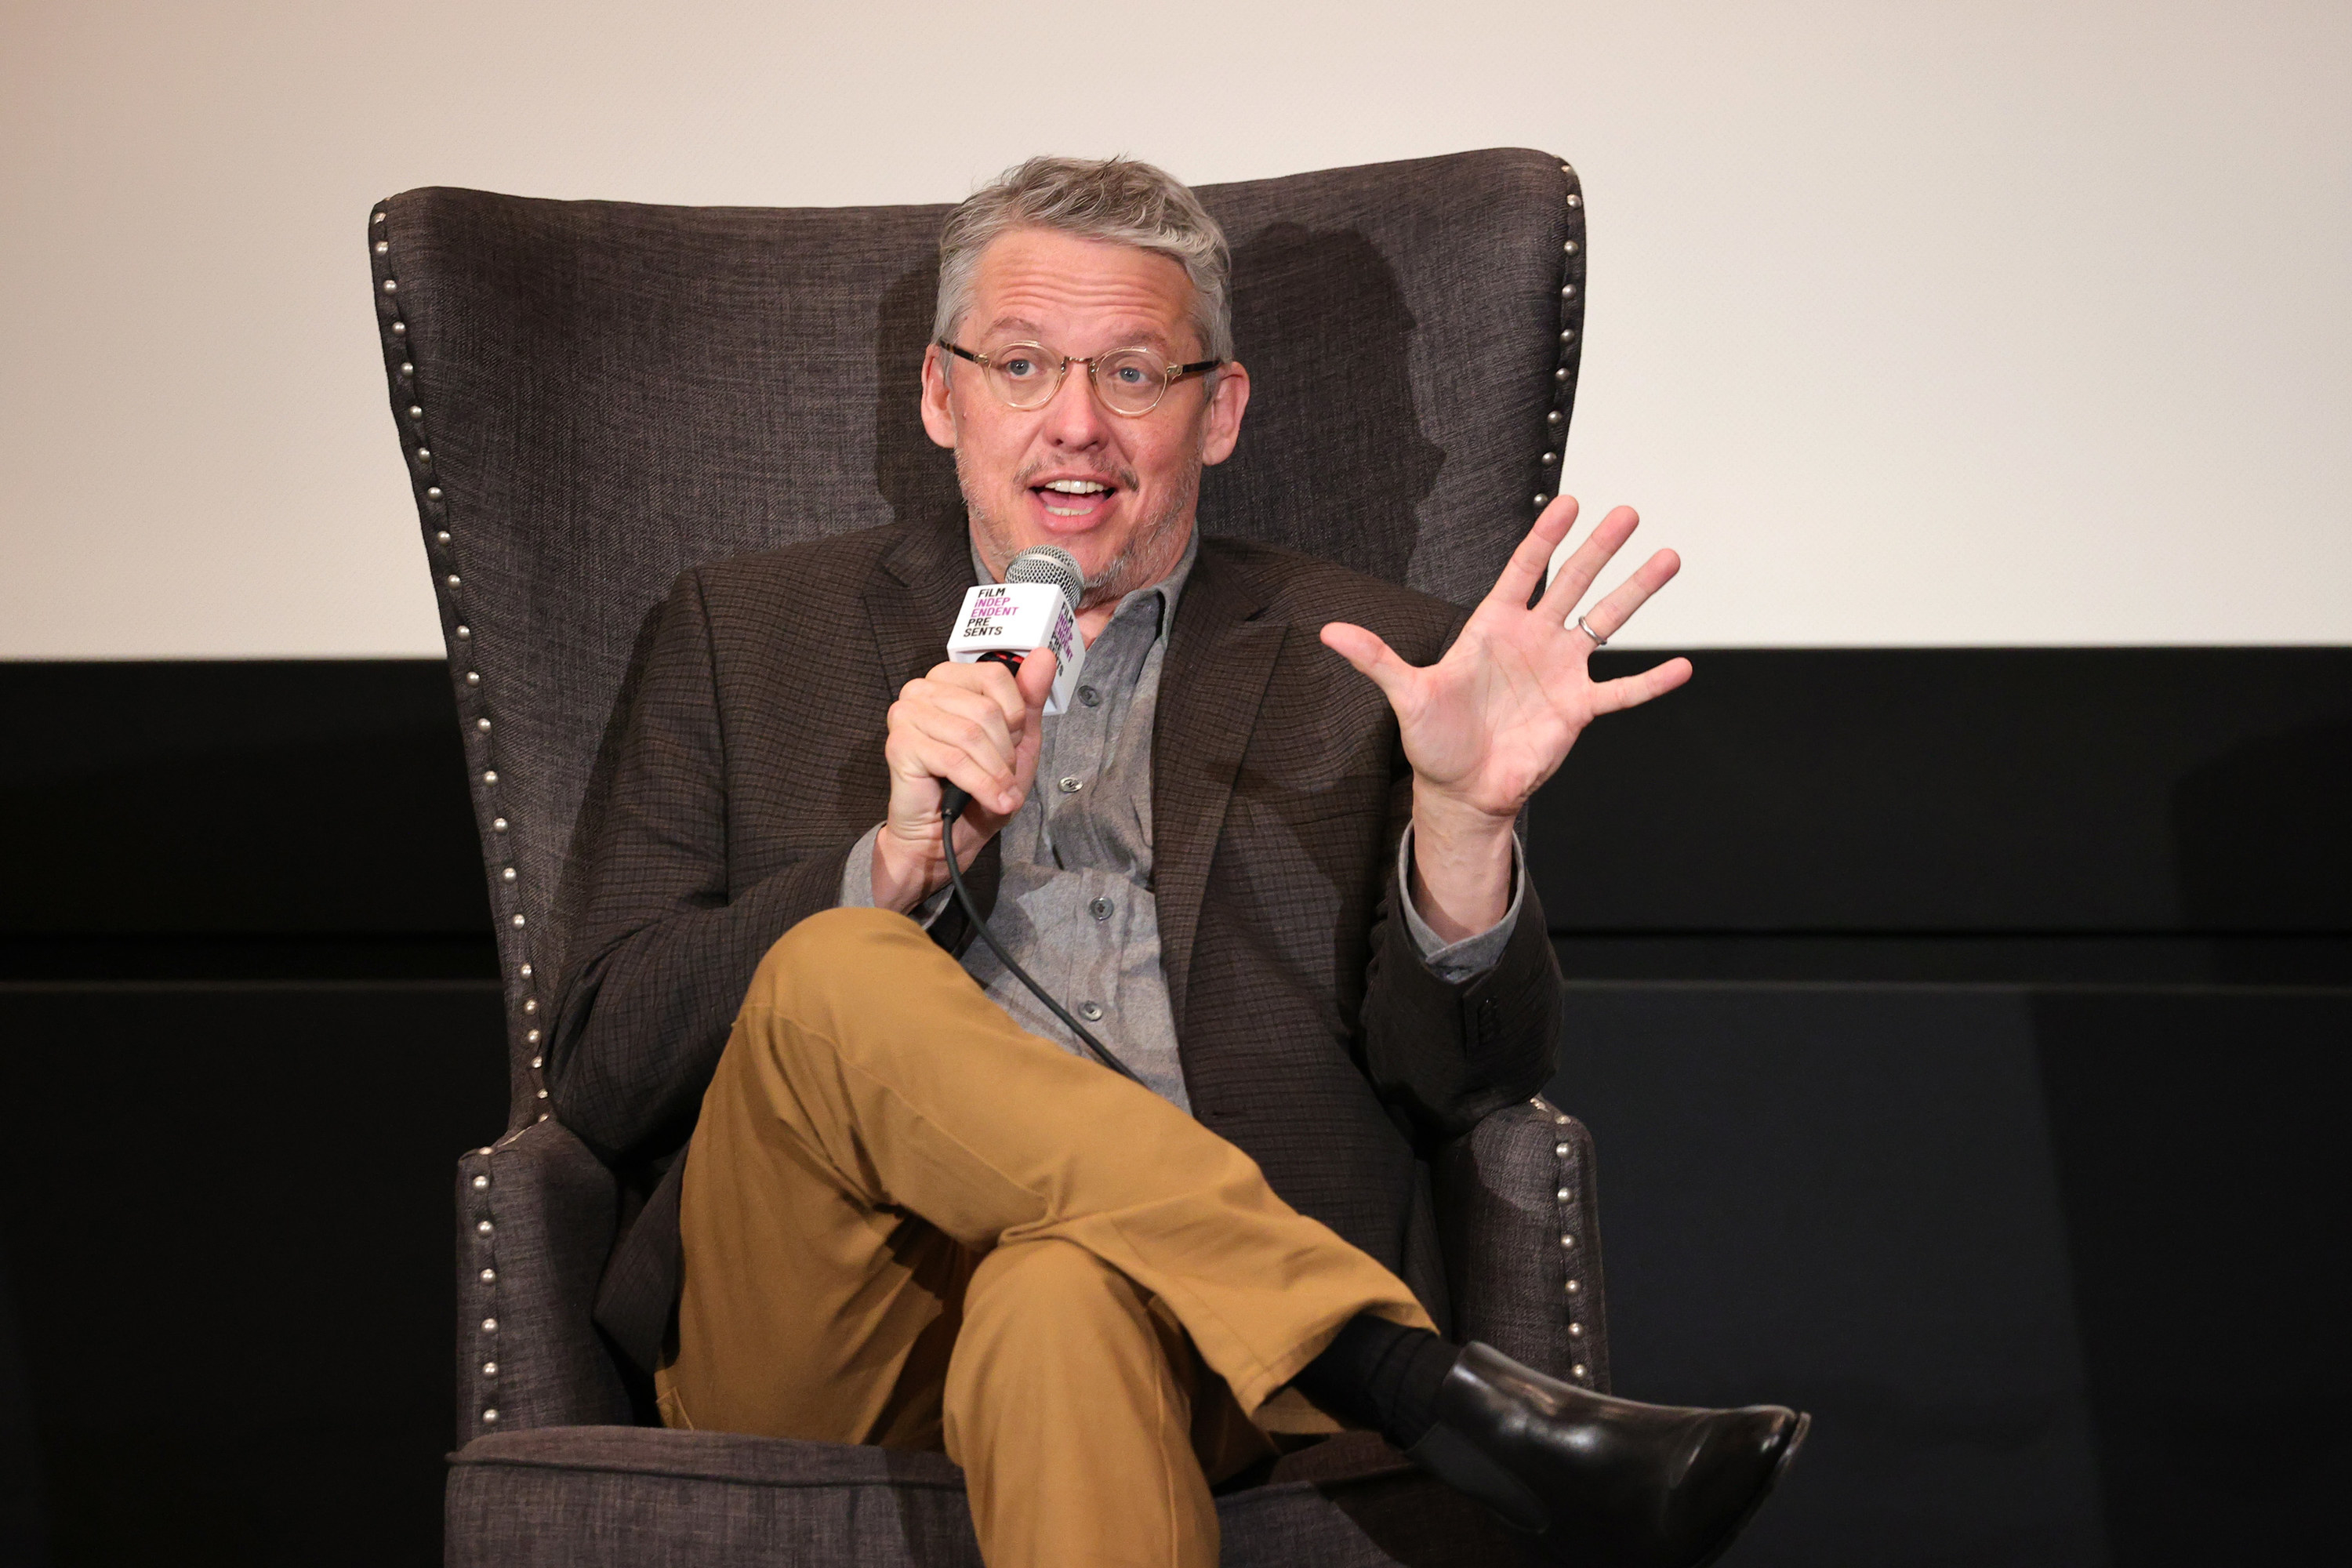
x=591, y=397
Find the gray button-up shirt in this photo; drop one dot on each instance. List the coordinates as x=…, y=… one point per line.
x=1075, y=906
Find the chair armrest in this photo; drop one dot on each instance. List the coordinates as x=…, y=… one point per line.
x=1522, y=1228
x=536, y=1215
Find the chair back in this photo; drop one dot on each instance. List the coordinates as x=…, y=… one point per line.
x=593, y=396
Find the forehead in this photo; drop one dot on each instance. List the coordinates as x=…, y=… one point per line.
x=1070, y=289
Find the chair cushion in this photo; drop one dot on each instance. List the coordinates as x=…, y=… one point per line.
x=636, y=1497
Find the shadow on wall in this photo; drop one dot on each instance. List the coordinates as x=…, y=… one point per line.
x=1349, y=400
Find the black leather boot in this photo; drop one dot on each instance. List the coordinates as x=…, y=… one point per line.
x=1602, y=1482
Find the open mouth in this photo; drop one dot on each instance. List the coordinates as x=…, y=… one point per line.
x=1074, y=499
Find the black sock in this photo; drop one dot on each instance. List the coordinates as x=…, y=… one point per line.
x=1383, y=1375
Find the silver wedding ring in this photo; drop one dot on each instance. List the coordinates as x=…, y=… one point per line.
x=1598, y=640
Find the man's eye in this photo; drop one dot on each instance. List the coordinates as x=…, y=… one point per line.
x=1129, y=374
x=1020, y=365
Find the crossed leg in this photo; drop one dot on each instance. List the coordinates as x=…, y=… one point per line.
x=906, y=1221
x=1088, y=1428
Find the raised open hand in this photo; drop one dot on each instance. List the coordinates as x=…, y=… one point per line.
x=1489, y=722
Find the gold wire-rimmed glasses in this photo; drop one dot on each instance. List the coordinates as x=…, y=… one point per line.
x=1130, y=381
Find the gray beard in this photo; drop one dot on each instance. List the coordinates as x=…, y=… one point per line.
x=1152, y=553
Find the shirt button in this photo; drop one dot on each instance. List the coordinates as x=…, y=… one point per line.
x=1099, y=909
x=1089, y=696
x=1090, y=1011
x=1070, y=784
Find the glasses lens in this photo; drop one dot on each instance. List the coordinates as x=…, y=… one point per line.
x=1023, y=374
x=1130, y=381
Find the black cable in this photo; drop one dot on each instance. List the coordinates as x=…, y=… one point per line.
x=950, y=794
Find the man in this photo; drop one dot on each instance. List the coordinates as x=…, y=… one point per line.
x=911, y=1214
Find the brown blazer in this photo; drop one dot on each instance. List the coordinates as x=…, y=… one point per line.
x=1310, y=1031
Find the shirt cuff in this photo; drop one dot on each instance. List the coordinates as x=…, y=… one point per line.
x=1454, y=963
x=857, y=883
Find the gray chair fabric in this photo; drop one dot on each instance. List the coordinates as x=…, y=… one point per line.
x=591, y=397
x=627, y=1496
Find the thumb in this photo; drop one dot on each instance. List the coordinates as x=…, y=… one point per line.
x=1372, y=657
x=1035, y=679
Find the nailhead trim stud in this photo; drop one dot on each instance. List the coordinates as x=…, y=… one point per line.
x=1553, y=456
x=1563, y=1151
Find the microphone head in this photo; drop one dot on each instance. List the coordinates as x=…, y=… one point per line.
x=1053, y=565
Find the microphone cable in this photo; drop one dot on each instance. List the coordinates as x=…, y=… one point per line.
x=972, y=913
x=952, y=800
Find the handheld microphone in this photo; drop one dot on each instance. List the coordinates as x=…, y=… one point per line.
x=1036, y=606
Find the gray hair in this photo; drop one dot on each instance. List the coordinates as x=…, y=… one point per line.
x=1115, y=199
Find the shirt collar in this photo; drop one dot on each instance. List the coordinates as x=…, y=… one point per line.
x=1166, y=590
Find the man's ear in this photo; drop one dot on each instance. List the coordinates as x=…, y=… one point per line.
x=939, y=414
x=1222, y=426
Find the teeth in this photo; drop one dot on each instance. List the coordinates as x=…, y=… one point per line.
x=1076, y=486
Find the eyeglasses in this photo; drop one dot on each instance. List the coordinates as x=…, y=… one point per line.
x=1129, y=380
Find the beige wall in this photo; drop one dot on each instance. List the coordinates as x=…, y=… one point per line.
x=1910, y=322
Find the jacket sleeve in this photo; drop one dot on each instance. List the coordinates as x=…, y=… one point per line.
x=1448, y=1054
x=662, y=947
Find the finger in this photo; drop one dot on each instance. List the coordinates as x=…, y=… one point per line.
x=976, y=738
x=954, y=748
x=1633, y=691
x=1523, y=573
x=925, y=756
x=1610, y=615
x=987, y=676
x=1035, y=681
x=1372, y=657
x=979, y=708
x=1584, y=563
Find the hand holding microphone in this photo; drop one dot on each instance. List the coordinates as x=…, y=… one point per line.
x=967, y=729
x=1036, y=609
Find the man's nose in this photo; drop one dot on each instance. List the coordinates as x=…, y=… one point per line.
x=1076, y=417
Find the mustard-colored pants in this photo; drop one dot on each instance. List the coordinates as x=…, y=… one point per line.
x=909, y=1222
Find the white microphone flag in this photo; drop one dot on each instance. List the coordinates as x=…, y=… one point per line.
x=1013, y=617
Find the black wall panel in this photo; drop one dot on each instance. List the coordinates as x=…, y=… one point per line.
x=2143, y=790
x=2199, y=1145
x=2058, y=1272
x=243, y=814
x=224, y=1210
x=1843, y=1198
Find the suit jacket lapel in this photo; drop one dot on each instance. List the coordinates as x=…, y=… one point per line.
x=1219, y=659
x=911, y=602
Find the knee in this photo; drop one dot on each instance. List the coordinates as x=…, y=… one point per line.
x=1039, y=1284
x=1048, y=1300
x=827, y=949
x=1045, y=1316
